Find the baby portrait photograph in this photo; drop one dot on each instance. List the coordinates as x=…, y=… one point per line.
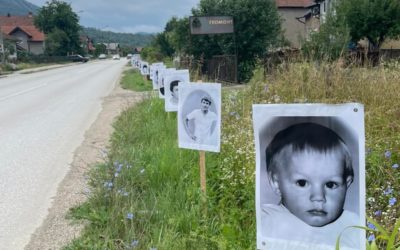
x=310, y=176
x=199, y=116
x=171, y=86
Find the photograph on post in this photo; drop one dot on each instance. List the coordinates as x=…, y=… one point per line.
x=156, y=75
x=152, y=66
x=310, y=176
x=199, y=116
x=161, y=75
x=172, y=83
x=144, y=70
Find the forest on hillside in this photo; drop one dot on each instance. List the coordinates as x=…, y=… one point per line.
x=124, y=39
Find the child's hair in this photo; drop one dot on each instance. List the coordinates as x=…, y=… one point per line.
x=305, y=136
x=206, y=98
x=173, y=84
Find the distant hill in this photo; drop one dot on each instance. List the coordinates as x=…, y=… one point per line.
x=134, y=40
x=17, y=7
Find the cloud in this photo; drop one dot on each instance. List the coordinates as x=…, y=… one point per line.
x=128, y=15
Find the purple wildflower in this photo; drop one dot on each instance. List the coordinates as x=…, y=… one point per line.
x=388, y=191
x=371, y=226
x=134, y=243
x=371, y=237
x=395, y=165
x=378, y=213
x=392, y=201
x=130, y=216
x=388, y=154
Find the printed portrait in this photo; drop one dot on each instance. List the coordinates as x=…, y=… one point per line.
x=310, y=176
x=199, y=116
x=172, y=83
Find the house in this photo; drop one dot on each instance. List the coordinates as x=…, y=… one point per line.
x=8, y=47
x=112, y=48
x=87, y=44
x=23, y=29
x=300, y=18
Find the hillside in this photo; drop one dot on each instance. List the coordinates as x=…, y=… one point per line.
x=125, y=39
x=17, y=7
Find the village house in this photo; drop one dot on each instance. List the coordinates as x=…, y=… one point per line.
x=299, y=19
x=29, y=38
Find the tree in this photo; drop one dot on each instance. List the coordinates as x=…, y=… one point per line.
x=257, y=28
x=374, y=20
x=61, y=26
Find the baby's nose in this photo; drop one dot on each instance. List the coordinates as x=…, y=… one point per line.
x=317, y=194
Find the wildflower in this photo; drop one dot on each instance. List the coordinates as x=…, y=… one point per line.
x=108, y=184
x=134, y=243
x=128, y=166
x=142, y=171
x=371, y=237
x=371, y=199
x=388, y=191
x=116, y=174
x=395, y=165
x=388, y=154
x=130, y=216
x=392, y=201
x=378, y=213
x=370, y=225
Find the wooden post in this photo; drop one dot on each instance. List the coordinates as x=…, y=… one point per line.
x=203, y=184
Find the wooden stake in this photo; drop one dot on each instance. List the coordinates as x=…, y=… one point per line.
x=203, y=184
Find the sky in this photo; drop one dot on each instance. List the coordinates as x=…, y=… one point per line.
x=128, y=16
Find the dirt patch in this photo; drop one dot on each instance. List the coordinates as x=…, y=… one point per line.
x=56, y=231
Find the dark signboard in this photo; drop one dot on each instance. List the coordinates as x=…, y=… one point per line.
x=211, y=25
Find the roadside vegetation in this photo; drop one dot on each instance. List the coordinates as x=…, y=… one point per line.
x=147, y=195
x=133, y=80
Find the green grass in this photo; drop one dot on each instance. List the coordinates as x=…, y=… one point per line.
x=133, y=80
x=162, y=181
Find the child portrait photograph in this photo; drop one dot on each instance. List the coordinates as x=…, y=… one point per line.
x=144, y=70
x=172, y=82
x=162, y=73
x=310, y=176
x=199, y=116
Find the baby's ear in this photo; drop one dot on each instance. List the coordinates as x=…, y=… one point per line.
x=349, y=180
x=273, y=180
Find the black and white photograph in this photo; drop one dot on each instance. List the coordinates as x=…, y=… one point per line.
x=310, y=176
x=151, y=70
x=199, y=116
x=144, y=70
x=162, y=73
x=172, y=83
x=156, y=75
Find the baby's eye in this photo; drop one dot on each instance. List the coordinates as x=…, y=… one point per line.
x=331, y=185
x=301, y=183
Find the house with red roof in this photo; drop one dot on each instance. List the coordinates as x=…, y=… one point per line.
x=29, y=37
x=299, y=19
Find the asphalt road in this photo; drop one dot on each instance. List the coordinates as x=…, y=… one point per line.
x=43, y=118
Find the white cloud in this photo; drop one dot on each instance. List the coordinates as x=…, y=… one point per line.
x=128, y=15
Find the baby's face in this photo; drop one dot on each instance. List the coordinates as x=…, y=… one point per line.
x=312, y=186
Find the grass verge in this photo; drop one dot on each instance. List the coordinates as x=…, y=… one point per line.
x=147, y=195
x=132, y=79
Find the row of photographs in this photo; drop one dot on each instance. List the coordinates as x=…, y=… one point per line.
x=310, y=164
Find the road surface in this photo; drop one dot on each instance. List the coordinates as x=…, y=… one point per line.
x=43, y=118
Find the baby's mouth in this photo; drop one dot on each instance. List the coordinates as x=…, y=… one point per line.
x=317, y=212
